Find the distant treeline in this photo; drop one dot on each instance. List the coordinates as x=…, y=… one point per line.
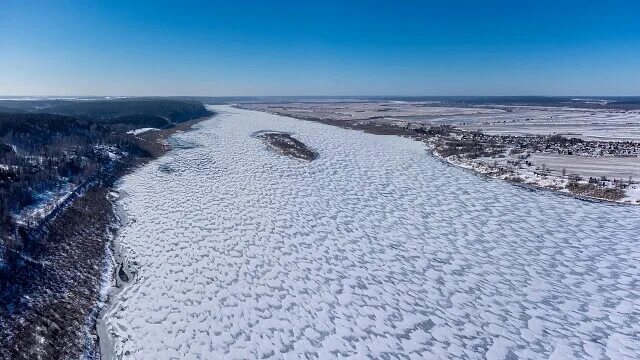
x=138, y=111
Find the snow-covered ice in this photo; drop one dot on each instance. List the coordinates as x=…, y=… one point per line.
x=374, y=249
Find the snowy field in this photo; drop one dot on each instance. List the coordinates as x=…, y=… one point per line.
x=587, y=124
x=579, y=123
x=374, y=249
x=612, y=167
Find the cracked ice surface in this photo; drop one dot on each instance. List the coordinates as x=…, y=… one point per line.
x=375, y=248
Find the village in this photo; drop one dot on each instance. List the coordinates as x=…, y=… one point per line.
x=606, y=170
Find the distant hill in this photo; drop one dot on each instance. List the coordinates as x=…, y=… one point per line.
x=143, y=112
x=33, y=128
x=4, y=109
x=142, y=120
x=173, y=110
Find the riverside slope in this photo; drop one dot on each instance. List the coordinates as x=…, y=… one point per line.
x=375, y=248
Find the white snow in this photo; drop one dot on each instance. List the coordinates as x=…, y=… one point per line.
x=141, y=130
x=7, y=167
x=588, y=124
x=374, y=249
x=112, y=152
x=45, y=203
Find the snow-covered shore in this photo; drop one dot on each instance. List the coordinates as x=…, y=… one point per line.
x=372, y=249
x=528, y=176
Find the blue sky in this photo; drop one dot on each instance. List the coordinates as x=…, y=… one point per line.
x=319, y=48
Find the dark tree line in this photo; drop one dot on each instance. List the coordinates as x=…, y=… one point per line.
x=45, y=151
x=40, y=152
x=172, y=110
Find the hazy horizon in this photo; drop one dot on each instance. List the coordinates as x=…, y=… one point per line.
x=339, y=96
x=319, y=49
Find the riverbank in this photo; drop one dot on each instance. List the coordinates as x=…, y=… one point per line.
x=125, y=269
x=58, y=291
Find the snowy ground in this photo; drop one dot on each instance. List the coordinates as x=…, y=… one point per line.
x=612, y=167
x=141, y=130
x=579, y=123
x=45, y=203
x=375, y=248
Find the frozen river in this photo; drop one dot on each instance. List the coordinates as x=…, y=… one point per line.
x=374, y=249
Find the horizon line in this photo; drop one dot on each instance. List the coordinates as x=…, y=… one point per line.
x=309, y=96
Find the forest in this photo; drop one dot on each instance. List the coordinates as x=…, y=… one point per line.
x=53, y=150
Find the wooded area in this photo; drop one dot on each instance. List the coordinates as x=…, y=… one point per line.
x=59, y=147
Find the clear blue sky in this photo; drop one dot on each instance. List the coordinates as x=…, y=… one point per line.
x=319, y=48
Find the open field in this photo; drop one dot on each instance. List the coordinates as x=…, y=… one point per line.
x=589, y=124
x=613, y=167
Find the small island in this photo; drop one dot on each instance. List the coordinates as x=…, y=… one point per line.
x=287, y=145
